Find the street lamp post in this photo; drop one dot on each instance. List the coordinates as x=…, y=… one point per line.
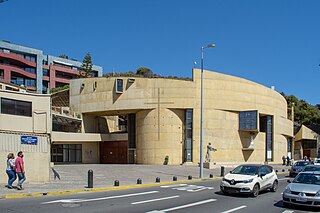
x=201, y=110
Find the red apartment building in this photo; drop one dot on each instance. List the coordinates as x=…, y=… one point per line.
x=37, y=72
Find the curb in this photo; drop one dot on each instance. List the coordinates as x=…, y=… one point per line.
x=112, y=188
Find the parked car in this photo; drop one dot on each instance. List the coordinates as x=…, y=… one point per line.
x=311, y=168
x=249, y=179
x=317, y=161
x=304, y=190
x=298, y=167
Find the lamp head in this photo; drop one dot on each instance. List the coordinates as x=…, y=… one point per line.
x=211, y=45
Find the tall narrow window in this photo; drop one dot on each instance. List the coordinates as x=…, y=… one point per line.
x=188, y=135
x=269, y=138
x=119, y=85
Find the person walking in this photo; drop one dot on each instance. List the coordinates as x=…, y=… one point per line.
x=288, y=160
x=20, y=170
x=12, y=176
x=284, y=160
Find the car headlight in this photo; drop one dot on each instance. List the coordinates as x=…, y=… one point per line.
x=287, y=190
x=318, y=194
x=248, y=181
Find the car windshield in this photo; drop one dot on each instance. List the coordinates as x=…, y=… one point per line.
x=246, y=170
x=308, y=178
x=317, y=161
x=312, y=168
x=302, y=163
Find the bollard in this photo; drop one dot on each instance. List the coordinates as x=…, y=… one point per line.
x=211, y=175
x=139, y=181
x=174, y=178
x=116, y=183
x=283, y=170
x=90, y=178
x=222, y=171
x=189, y=177
x=157, y=180
x=277, y=171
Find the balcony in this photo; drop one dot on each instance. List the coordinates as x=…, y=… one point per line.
x=16, y=59
x=65, y=70
x=17, y=69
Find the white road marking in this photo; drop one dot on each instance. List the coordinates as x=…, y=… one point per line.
x=200, y=189
x=97, y=199
x=183, y=207
x=192, y=188
x=157, y=199
x=188, y=187
x=234, y=209
x=175, y=185
x=287, y=211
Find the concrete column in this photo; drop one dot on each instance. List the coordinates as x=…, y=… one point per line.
x=7, y=75
x=52, y=80
x=153, y=148
x=39, y=73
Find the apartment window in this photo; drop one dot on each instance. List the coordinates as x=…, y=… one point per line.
x=17, y=80
x=1, y=74
x=29, y=57
x=16, y=107
x=30, y=70
x=64, y=75
x=66, y=153
x=119, y=85
x=45, y=85
x=20, y=55
x=32, y=59
x=45, y=72
x=30, y=82
x=45, y=62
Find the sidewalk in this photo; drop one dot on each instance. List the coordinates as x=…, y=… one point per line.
x=76, y=176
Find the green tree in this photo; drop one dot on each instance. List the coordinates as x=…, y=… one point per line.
x=145, y=72
x=304, y=113
x=86, y=66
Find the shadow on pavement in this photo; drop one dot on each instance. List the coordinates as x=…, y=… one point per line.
x=279, y=204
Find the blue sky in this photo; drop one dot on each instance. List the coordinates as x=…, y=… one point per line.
x=272, y=42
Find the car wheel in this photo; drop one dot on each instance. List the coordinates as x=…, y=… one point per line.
x=274, y=186
x=255, y=190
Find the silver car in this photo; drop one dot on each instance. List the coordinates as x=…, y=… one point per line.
x=304, y=190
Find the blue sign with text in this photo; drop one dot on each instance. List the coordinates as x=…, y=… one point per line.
x=31, y=140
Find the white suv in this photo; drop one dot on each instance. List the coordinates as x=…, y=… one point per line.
x=250, y=179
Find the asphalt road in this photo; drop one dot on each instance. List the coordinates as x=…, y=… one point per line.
x=203, y=196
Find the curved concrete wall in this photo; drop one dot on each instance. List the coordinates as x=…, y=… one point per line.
x=152, y=145
x=224, y=97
